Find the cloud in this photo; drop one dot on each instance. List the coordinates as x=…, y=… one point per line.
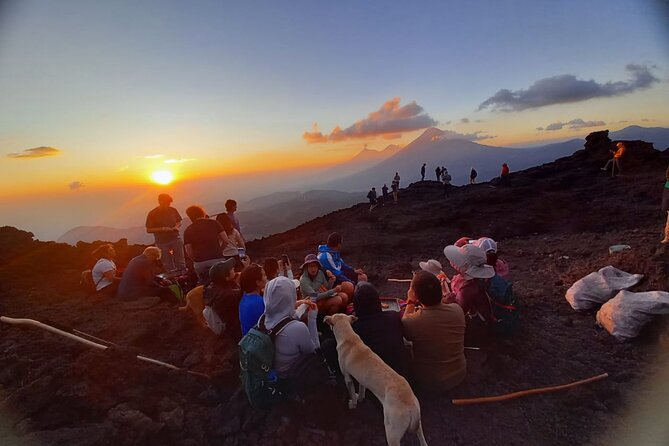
x=389, y=122
x=464, y=121
x=75, y=185
x=37, y=152
x=574, y=124
x=451, y=134
x=151, y=157
x=178, y=160
x=567, y=88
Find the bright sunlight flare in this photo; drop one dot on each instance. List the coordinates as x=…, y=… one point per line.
x=162, y=177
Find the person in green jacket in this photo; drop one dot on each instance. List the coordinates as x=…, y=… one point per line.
x=320, y=288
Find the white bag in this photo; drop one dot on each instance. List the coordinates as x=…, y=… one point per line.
x=597, y=288
x=214, y=322
x=625, y=315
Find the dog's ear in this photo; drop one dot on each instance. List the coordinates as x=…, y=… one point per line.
x=328, y=320
x=353, y=319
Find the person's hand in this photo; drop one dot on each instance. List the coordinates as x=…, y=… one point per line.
x=359, y=271
x=311, y=305
x=329, y=274
x=300, y=302
x=337, y=289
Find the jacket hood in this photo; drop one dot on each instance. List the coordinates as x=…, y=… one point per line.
x=279, y=298
x=326, y=248
x=366, y=301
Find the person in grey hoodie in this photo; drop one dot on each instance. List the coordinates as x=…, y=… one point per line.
x=314, y=285
x=296, y=339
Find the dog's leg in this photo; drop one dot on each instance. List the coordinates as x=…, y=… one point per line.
x=395, y=428
x=353, y=397
x=361, y=393
x=421, y=436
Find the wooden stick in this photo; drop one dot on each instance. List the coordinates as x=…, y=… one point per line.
x=74, y=337
x=400, y=280
x=509, y=396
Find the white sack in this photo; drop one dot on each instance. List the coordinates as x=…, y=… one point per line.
x=596, y=288
x=625, y=315
x=214, y=322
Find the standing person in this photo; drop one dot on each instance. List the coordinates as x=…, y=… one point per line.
x=235, y=241
x=437, y=331
x=384, y=190
x=617, y=155
x=396, y=187
x=422, y=173
x=472, y=176
x=330, y=260
x=665, y=206
x=204, y=241
x=137, y=280
x=437, y=171
x=371, y=196
x=446, y=179
x=231, y=208
x=104, y=272
x=164, y=222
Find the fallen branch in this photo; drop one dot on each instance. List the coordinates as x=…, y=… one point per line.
x=509, y=396
x=74, y=337
x=400, y=280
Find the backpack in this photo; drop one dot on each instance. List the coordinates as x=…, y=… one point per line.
x=256, y=357
x=504, y=306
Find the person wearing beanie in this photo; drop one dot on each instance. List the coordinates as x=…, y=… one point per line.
x=380, y=330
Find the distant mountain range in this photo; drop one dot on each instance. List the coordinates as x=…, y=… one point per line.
x=347, y=183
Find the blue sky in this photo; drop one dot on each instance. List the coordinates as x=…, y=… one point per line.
x=232, y=86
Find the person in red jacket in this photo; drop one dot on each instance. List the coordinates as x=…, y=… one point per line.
x=505, y=170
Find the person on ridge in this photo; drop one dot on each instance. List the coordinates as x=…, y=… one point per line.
x=164, y=222
x=138, y=278
x=615, y=161
x=371, y=196
x=104, y=271
x=231, y=208
x=204, y=241
x=396, y=187
x=320, y=288
x=437, y=331
x=330, y=260
x=472, y=176
x=380, y=330
x=437, y=171
x=665, y=206
x=422, y=172
x=446, y=180
x=384, y=191
x=252, y=281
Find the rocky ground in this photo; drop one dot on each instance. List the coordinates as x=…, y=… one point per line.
x=554, y=224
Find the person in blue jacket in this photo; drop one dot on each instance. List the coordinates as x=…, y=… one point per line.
x=330, y=260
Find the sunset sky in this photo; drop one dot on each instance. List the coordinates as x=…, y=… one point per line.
x=99, y=95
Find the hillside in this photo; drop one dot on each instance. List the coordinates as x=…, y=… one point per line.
x=554, y=224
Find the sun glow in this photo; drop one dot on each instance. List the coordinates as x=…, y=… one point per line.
x=163, y=177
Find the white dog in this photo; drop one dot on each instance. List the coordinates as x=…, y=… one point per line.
x=401, y=410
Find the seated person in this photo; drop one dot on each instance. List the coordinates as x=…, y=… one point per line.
x=330, y=260
x=437, y=331
x=223, y=296
x=434, y=267
x=103, y=273
x=329, y=298
x=295, y=339
x=379, y=330
x=138, y=277
x=489, y=246
x=251, y=306
x=275, y=268
x=235, y=241
x=470, y=293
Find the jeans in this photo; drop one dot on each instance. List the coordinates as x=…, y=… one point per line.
x=202, y=270
x=173, y=258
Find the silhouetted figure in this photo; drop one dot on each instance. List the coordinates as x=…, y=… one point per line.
x=504, y=175
x=396, y=188
x=384, y=190
x=472, y=176
x=371, y=196
x=437, y=171
x=422, y=173
x=665, y=206
x=446, y=180
x=164, y=222
x=231, y=208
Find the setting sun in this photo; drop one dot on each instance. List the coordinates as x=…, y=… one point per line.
x=162, y=177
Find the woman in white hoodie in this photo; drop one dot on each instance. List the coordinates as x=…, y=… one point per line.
x=295, y=339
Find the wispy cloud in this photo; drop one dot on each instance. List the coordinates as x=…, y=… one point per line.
x=464, y=121
x=178, y=160
x=76, y=185
x=37, y=152
x=574, y=124
x=389, y=122
x=452, y=134
x=151, y=157
x=567, y=88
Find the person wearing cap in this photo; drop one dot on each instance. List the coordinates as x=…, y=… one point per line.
x=223, y=296
x=138, y=277
x=489, y=246
x=314, y=285
x=437, y=332
x=470, y=262
x=433, y=266
x=204, y=240
x=380, y=330
x=251, y=306
x=164, y=222
x=330, y=260
x=615, y=161
x=296, y=339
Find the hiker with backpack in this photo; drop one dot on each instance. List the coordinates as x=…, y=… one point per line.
x=481, y=293
x=371, y=196
x=103, y=274
x=319, y=286
x=251, y=306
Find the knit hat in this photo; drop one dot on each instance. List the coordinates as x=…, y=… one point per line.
x=471, y=260
x=431, y=266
